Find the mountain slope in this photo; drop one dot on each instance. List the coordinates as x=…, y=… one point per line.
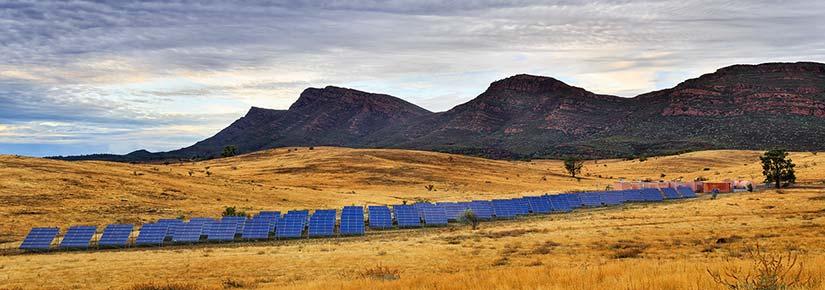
x=525, y=116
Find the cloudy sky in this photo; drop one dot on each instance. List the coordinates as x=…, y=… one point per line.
x=81, y=77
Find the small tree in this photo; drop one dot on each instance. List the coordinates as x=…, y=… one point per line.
x=229, y=151
x=469, y=217
x=573, y=166
x=231, y=211
x=778, y=168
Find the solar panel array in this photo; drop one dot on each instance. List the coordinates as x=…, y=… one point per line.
x=323, y=221
x=292, y=225
x=406, y=216
x=352, y=221
x=39, y=239
x=78, y=237
x=435, y=215
x=116, y=235
x=380, y=217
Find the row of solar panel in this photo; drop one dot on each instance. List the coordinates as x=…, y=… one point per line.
x=321, y=223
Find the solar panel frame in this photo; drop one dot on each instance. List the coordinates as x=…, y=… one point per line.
x=632, y=195
x=172, y=226
x=273, y=217
x=406, y=216
x=671, y=193
x=240, y=221
x=380, y=217
x=352, y=221
x=78, y=237
x=322, y=223
x=611, y=198
x=152, y=234
x=573, y=200
x=116, y=235
x=521, y=206
x=292, y=225
x=483, y=209
x=504, y=208
x=39, y=239
x=223, y=231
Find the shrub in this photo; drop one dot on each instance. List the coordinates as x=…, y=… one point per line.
x=469, y=217
x=767, y=271
x=231, y=211
x=429, y=187
x=380, y=273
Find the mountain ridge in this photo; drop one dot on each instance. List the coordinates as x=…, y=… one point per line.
x=527, y=116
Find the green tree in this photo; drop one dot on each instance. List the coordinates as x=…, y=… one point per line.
x=778, y=168
x=231, y=211
x=469, y=217
x=229, y=151
x=573, y=166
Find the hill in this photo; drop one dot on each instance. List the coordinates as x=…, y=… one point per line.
x=753, y=107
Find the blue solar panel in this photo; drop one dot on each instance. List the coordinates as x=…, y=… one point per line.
x=559, y=203
x=406, y=216
x=380, y=217
x=258, y=228
x=172, y=224
x=651, y=194
x=521, y=206
x=504, y=208
x=223, y=231
x=419, y=207
x=240, y=221
x=273, y=217
x=435, y=215
x=671, y=193
x=482, y=208
x=39, y=239
x=632, y=195
x=590, y=199
x=322, y=223
x=206, y=222
x=190, y=232
x=152, y=234
x=539, y=204
x=686, y=192
x=573, y=200
x=352, y=221
x=611, y=198
x=78, y=237
x=292, y=224
x=116, y=235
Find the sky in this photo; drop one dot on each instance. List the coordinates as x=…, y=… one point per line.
x=80, y=77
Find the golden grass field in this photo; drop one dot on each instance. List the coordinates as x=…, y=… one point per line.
x=667, y=245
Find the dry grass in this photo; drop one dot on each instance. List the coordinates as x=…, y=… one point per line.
x=569, y=251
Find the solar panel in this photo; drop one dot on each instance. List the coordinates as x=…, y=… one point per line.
x=78, y=237
x=189, y=232
x=419, y=207
x=206, y=222
x=435, y=215
x=521, y=206
x=152, y=234
x=39, y=239
x=632, y=195
x=352, y=220
x=322, y=223
x=559, y=203
x=482, y=208
x=573, y=200
x=240, y=221
x=223, y=231
x=172, y=224
x=292, y=225
x=671, y=193
x=380, y=217
x=611, y=198
x=406, y=216
x=590, y=199
x=504, y=208
x=116, y=235
x=538, y=204
x=651, y=194
x=273, y=217
x=686, y=192
x=258, y=228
